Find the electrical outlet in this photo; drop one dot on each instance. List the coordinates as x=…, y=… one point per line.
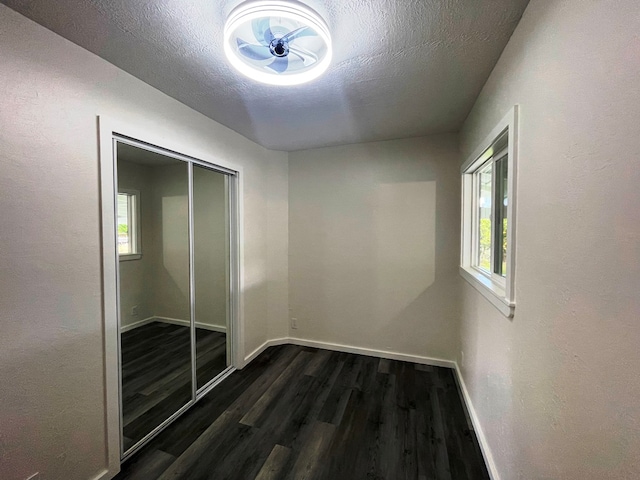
x=134, y=311
x=294, y=323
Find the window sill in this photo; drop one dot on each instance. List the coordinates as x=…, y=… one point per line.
x=132, y=256
x=490, y=290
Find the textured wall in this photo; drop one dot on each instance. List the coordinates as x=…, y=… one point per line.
x=374, y=245
x=51, y=347
x=557, y=387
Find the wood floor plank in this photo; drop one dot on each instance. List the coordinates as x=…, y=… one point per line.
x=310, y=459
x=151, y=464
x=316, y=364
x=201, y=447
x=269, y=396
x=389, y=441
x=383, y=367
x=251, y=452
x=425, y=432
x=338, y=396
x=276, y=461
x=424, y=368
x=354, y=449
x=306, y=416
x=438, y=442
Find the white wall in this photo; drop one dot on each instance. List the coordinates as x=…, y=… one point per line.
x=373, y=243
x=556, y=388
x=51, y=347
x=278, y=224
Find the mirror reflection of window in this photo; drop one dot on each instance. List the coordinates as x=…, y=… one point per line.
x=127, y=203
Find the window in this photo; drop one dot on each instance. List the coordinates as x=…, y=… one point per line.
x=128, y=225
x=488, y=212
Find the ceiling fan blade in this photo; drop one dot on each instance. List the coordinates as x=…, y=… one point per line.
x=262, y=30
x=306, y=59
x=254, y=52
x=279, y=64
x=307, y=56
x=269, y=36
x=299, y=32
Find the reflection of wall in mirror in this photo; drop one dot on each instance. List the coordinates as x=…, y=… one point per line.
x=210, y=247
x=171, y=241
x=135, y=275
x=158, y=283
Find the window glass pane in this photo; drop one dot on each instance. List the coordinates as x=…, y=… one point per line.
x=484, y=233
x=501, y=198
x=124, y=224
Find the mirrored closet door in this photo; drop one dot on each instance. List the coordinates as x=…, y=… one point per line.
x=211, y=272
x=173, y=243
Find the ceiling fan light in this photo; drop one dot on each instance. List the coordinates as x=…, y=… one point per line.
x=277, y=42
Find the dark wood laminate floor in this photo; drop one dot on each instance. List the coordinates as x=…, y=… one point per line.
x=301, y=413
x=156, y=373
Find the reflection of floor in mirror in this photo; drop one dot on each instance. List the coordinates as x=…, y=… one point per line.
x=156, y=373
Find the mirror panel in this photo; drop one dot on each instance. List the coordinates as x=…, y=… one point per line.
x=154, y=289
x=211, y=272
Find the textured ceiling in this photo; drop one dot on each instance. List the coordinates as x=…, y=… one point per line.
x=400, y=68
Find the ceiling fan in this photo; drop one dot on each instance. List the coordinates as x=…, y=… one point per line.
x=277, y=42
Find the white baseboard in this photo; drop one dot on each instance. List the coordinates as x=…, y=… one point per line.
x=269, y=343
x=137, y=324
x=213, y=328
x=482, y=440
x=436, y=362
x=186, y=323
x=173, y=321
x=403, y=357
x=106, y=474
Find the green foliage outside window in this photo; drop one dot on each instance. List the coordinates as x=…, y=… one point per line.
x=485, y=244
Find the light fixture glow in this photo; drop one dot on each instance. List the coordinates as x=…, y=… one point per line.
x=277, y=42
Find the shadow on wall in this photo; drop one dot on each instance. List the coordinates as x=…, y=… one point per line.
x=372, y=264
x=404, y=243
x=409, y=295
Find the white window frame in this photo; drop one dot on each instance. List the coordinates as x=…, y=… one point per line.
x=134, y=215
x=500, y=291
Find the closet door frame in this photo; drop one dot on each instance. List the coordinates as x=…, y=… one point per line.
x=171, y=144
